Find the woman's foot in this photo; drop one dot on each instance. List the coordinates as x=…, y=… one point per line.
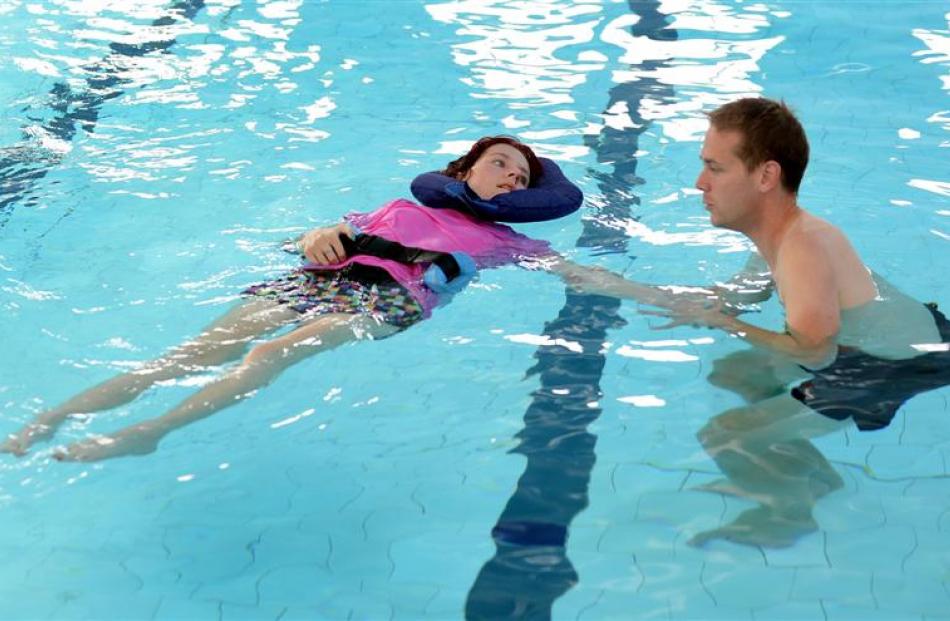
x=140, y=439
x=19, y=443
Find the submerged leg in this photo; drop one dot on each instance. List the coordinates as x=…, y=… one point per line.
x=764, y=451
x=260, y=367
x=222, y=341
x=754, y=374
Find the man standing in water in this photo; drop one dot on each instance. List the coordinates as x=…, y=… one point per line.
x=754, y=156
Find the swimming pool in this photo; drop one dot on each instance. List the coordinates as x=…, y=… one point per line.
x=154, y=159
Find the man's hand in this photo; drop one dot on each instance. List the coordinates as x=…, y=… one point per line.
x=323, y=246
x=699, y=313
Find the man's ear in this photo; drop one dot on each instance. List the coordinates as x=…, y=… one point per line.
x=770, y=175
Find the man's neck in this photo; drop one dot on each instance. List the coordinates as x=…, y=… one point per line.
x=776, y=219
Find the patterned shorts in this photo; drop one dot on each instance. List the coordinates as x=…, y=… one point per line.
x=354, y=290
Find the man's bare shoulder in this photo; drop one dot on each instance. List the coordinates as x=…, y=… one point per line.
x=808, y=239
x=819, y=247
x=814, y=230
x=811, y=239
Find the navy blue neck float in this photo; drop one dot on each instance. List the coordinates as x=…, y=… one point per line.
x=553, y=196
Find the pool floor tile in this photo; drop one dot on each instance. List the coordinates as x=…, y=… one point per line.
x=868, y=612
x=849, y=550
x=832, y=585
x=924, y=594
x=175, y=606
x=746, y=587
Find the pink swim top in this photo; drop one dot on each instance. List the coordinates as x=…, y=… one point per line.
x=443, y=230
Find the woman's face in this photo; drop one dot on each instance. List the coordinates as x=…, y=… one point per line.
x=501, y=168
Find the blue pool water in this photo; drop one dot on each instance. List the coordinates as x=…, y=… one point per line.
x=153, y=159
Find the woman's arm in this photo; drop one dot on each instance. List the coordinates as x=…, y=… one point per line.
x=598, y=281
x=751, y=285
x=323, y=245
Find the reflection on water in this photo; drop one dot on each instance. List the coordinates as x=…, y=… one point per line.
x=707, y=71
x=227, y=69
x=523, y=52
x=77, y=101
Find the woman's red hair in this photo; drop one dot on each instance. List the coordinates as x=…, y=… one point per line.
x=458, y=168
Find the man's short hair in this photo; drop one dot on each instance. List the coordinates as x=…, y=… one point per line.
x=769, y=131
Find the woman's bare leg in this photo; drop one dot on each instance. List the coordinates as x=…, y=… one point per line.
x=262, y=364
x=222, y=341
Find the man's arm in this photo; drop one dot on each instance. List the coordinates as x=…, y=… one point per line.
x=810, y=296
x=800, y=346
x=808, y=288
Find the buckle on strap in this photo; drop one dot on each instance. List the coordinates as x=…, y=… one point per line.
x=445, y=271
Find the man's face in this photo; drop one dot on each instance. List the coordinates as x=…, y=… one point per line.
x=500, y=169
x=730, y=191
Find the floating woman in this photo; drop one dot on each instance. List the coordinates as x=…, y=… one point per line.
x=367, y=278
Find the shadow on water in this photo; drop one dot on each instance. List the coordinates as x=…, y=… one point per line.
x=530, y=569
x=24, y=164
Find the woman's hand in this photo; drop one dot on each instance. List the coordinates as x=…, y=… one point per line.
x=323, y=246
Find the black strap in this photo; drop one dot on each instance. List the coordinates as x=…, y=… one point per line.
x=376, y=246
